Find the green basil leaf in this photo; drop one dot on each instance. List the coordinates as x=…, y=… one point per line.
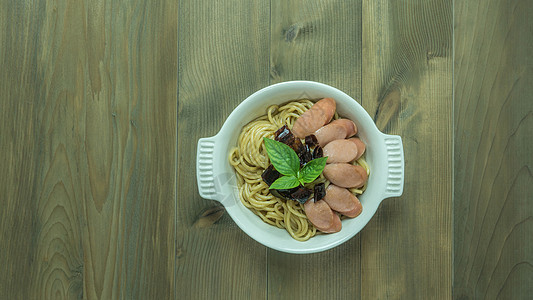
x=282, y=157
x=285, y=182
x=312, y=169
x=301, y=181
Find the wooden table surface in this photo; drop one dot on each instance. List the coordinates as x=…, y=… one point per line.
x=102, y=104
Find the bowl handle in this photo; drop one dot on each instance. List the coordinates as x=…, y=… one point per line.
x=204, y=167
x=395, y=165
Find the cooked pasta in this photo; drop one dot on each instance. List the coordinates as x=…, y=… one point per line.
x=249, y=159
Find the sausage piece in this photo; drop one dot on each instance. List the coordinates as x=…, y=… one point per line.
x=336, y=226
x=329, y=133
x=319, y=114
x=345, y=175
x=319, y=213
x=358, y=206
x=349, y=125
x=361, y=147
x=342, y=200
x=340, y=151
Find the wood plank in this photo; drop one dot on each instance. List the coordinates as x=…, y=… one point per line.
x=88, y=115
x=319, y=41
x=223, y=58
x=407, y=87
x=493, y=224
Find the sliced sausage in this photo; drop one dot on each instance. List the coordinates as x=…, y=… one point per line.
x=349, y=125
x=316, y=117
x=319, y=214
x=336, y=226
x=361, y=147
x=343, y=201
x=358, y=206
x=340, y=151
x=329, y=133
x=339, y=199
x=345, y=175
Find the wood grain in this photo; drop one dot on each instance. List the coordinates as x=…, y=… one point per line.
x=223, y=58
x=493, y=212
x=88, y=116
x=97, y=196
x=406, y=249
x=319, y=41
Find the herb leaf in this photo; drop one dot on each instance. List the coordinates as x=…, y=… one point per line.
x=312, y=169
x=285, y=182
x=282, y=157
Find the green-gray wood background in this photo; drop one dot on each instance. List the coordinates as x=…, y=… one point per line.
x=102, y=103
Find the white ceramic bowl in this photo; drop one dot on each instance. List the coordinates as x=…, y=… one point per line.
x=216, y=177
